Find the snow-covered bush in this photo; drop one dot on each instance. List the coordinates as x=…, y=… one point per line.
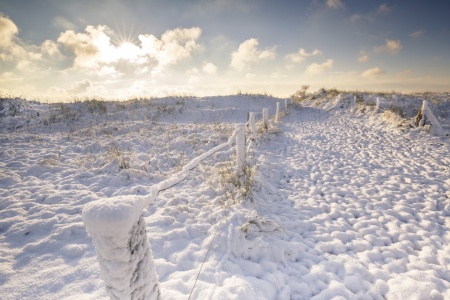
x=393, y=118
x=116, y=154
x=300, y=95
x=236, y=187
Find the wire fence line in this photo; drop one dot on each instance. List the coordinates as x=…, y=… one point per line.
x=118, y=231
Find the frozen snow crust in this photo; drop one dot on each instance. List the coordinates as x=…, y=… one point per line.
x=346, y=203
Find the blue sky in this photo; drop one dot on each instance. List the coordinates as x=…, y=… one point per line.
x=120, y=49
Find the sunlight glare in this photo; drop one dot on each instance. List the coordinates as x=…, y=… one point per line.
x=128, y=51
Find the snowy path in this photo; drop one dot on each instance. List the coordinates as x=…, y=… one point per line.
x=361, y=212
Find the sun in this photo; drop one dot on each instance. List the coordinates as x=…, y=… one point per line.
x=128, y=51
x=125, y=41
x=125, y=33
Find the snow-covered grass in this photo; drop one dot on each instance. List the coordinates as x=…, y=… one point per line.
x=338, y=201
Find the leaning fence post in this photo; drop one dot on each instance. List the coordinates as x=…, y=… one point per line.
x=240, y=148
x=423, y=110
x=426, y=115
x=118, y=231
x=251, y=120
x=265, y=113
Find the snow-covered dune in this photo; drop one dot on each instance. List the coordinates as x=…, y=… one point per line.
x=344, y=203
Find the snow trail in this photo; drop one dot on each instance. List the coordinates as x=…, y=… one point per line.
x=353, y=210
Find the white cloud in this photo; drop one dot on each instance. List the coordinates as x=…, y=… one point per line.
x=174, y=45
x=8, y=77
x=248, y=53
x=51, y=49
x=108, y=71
x=381, y=10
x=63, y=23
x=80, y=86
x=335, y=4
x=391, y=46
x=24, y=66
x=10, y=49
x=417, y=34
x=178, y=44
x=54, y=90
x=301, y=55
x=93, y=48
x=372, y=73
x=405, y=74
x=193, y=79
x=315, y=68
x=384, y=9
x=26, y=57
x=209, y=68
x=356, y=17
x=8, y=31
x=363, y=56
x=142, y=70
x=85, y=46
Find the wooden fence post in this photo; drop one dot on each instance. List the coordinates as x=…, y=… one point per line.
x=240, y=149
x=252, y=123
x=277, y=113
x=265, y=113
x=377, y=106
x=285, y=105
x=118, y=231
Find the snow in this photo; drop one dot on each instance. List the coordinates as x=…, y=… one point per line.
x=110, y=216
x=346, y=203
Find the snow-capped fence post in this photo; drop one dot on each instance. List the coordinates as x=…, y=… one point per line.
x=118, y=231
x=252, y=124
x=285, y=105
x=265, y=114
x=240, y=148
x=425, y=114
x=277, y=113
x=377, y=105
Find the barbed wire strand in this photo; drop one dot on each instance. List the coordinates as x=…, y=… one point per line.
x=207, y=252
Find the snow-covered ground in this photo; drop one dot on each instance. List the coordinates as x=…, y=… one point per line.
x=345, y=202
